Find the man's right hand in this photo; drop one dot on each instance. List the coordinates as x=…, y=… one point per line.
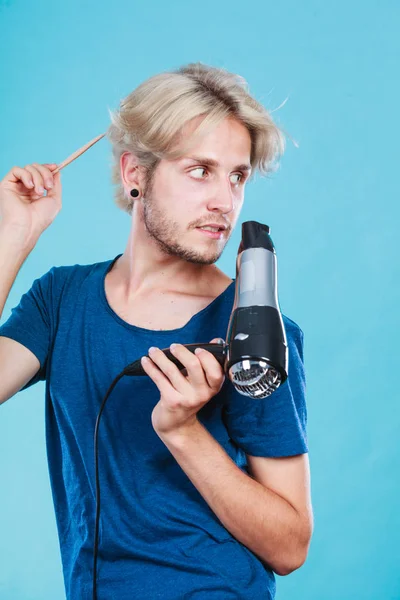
x=24, y=209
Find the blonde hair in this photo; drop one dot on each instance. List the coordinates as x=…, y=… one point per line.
x=150, y=119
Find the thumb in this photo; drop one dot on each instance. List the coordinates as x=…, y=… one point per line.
x=55, y=191
x=217, y=341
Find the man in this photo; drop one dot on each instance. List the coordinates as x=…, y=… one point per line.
x=205, y=492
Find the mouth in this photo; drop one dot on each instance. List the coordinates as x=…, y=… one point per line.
x=214, y=232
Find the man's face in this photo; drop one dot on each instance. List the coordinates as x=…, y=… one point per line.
x=187, y=193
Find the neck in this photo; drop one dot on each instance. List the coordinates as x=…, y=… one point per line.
x=144, y=268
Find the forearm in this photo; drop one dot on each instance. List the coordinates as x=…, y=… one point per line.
x=260, y=519
x=12, y=257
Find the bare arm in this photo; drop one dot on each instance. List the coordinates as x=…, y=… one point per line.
x=17, y=364
x=270, y=512
x=25, y=212
x=12, y=258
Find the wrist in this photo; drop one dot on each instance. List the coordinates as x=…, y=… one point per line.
x=179, y=434
x=14, y=238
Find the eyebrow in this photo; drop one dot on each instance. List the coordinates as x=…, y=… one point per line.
x=210, y=162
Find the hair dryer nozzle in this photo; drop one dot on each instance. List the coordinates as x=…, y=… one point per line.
x=255, y=378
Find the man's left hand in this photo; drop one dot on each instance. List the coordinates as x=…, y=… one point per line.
x=182, y=396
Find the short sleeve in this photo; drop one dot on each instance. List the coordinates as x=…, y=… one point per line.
x=274, y=426
x=29, y=323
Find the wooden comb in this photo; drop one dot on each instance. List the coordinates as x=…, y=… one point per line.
x=77, y=153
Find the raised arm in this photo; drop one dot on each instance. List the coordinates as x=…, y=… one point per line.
x=25, y=212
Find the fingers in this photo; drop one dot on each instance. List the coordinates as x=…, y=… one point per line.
x=167, y=367
x=213, y=371
x=203, y=370
x=22, y=175
x=191, y=362
x=41, y=176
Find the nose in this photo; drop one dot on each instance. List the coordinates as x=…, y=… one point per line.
x=222, y=199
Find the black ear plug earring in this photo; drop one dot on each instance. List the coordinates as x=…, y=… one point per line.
x=134, y=193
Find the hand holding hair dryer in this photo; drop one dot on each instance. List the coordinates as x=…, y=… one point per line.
x=255, y=355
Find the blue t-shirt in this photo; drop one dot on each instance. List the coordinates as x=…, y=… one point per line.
x=158, y=536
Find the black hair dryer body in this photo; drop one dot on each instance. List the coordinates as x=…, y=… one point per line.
x=255, y=355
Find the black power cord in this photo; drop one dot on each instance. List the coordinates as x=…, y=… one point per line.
x=135, y=368
x=96, y=466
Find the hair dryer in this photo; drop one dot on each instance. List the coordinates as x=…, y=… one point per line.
x=255, y=354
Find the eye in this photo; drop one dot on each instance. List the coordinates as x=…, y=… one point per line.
x=198, y=169
x=238, y=175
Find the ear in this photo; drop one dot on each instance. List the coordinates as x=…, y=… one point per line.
x=132, y=174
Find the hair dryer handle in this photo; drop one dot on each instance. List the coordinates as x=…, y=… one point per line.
x=217, y=350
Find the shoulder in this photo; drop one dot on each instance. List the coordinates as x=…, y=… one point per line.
x=60, y=279
x=60, y=273
x=292, y=328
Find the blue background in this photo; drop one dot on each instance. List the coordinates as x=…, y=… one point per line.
x=333, y=212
